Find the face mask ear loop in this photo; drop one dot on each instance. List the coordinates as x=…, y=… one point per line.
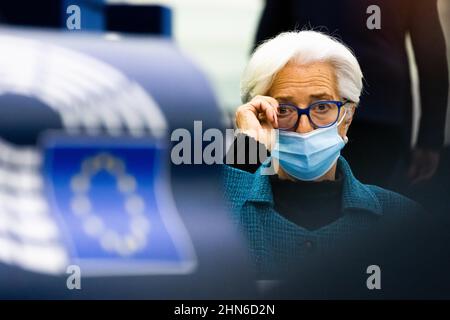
x=345, y=138
x=343, y=117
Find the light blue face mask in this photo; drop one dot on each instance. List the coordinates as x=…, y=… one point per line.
x=308, y=156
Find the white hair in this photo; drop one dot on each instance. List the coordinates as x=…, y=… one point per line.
x=301, y=47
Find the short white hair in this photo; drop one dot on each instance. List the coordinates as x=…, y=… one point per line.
x=301, y=47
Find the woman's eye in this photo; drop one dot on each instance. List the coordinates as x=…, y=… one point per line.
x=322, y=107
x=282, y=110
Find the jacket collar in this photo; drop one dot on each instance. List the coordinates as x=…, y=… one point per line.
x=355, y=195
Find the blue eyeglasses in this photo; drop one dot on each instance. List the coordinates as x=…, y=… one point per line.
x=321, y=114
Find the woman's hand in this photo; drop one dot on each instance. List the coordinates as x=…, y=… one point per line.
x=424, y=164
x=258, y=118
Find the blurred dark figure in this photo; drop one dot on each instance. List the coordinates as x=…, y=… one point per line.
x=42, y=13
x=96, y=15
x=381, y=132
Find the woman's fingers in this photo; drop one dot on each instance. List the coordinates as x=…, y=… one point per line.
x=249, y=113
x=246, y=119
x=266, y=105
x=257, y=118
x=274, y=103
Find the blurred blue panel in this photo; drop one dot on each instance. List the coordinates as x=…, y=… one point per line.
x=92, y=13
x=95, y=15
x=118, y=100
x=141, y=19
x=42, y=13
x=112, y=197
x=25, y=119
x=166, y=25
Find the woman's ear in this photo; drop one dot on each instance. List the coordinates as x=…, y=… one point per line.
x=350, y=111
x=349, y=116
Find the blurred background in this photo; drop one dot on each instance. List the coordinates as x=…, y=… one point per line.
x=87, y=108
x=87, y=105
x=221, y=50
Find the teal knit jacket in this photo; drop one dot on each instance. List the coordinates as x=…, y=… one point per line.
x=273, y=240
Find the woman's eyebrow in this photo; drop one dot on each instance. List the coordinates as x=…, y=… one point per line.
x=284, y=98
x=314, y=96
x=321, y=96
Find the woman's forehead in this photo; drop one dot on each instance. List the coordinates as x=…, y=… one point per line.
x=315, y=80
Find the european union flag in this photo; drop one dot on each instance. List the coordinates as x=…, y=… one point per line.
x=114, y=206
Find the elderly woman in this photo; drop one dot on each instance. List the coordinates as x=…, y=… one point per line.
x=304, y=87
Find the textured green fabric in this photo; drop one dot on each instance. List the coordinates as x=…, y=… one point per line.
x=273, y=239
